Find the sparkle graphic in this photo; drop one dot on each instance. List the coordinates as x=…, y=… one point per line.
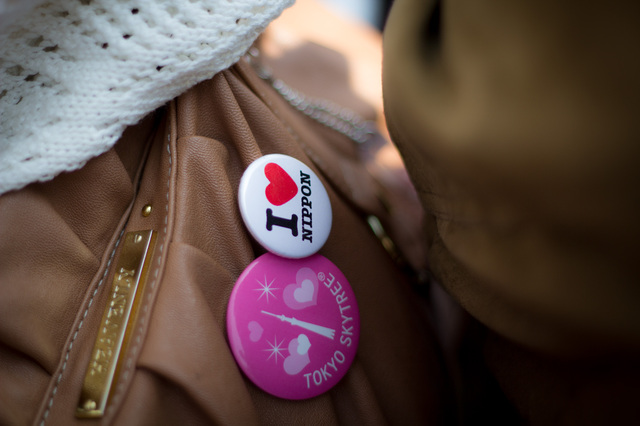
x=266, y=289
x=275, y=349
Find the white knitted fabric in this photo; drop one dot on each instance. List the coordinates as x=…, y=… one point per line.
x=75, y=73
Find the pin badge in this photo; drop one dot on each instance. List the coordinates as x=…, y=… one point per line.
x=293, y=325
x=285, y=206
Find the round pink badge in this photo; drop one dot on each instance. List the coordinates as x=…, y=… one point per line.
x=293, y=325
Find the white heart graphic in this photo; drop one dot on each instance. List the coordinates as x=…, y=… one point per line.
x=303, y=344
x=304, y=293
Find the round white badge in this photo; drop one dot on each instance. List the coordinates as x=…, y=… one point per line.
x=285, y=206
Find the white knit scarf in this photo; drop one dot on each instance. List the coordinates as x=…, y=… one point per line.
x=75, y=73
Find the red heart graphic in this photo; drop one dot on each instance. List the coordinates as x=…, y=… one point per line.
x=281, y=187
